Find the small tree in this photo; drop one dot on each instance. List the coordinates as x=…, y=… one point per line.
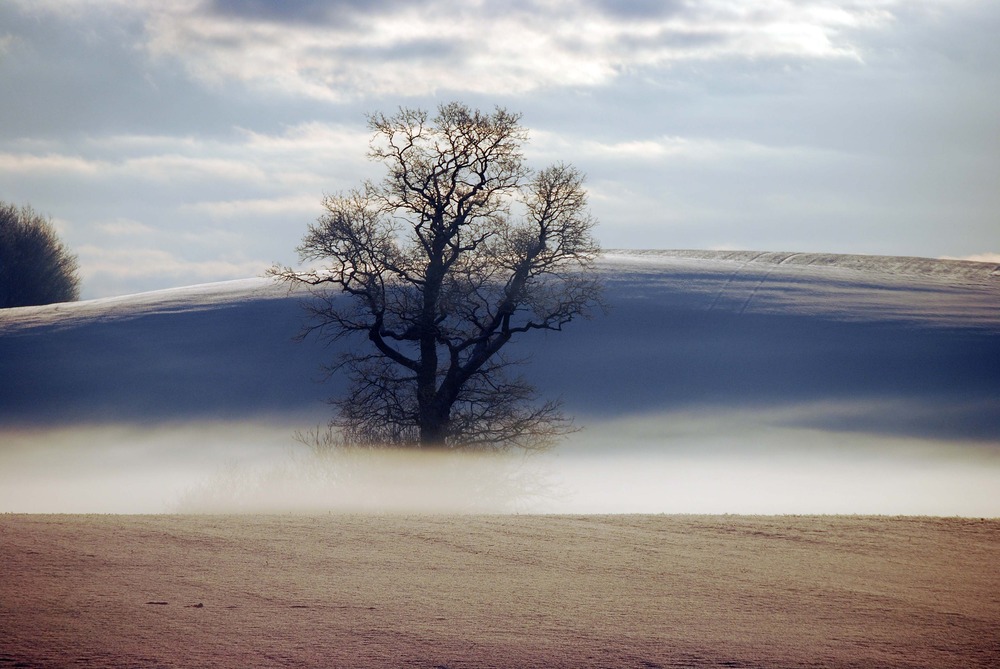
x=35, y=266
x=455, y=252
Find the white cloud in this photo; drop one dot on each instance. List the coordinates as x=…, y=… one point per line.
x=124, y=227
x=642, y=152
x=150, y=211
x=123, y=264
x=328, y=140
x=301, y=156
x=6, y=42
x=49, y=163
x=292, y=205
x=171, y=167
x=162, y=167
x=417, y=49
x=62, y=226
x=822, y=124
x=149, y=144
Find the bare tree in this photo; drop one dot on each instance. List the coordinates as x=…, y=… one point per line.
x=35, y=267
x=459, y=249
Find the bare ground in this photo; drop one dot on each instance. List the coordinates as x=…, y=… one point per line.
x=498, y=591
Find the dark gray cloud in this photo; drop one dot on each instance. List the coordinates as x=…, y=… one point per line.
x=410, y=50
x=303, y=11
x=639, y=9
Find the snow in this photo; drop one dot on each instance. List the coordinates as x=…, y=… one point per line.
x=718, y=381
x=172, y=300
x=851, y=287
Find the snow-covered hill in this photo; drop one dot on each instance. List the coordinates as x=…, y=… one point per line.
x=699, y=351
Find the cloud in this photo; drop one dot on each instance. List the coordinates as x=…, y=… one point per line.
x=815, y=125
x=151, y=211
x=172, y=167
x=288, y=11
x=684, y=192
x=336, y=139
x=101, y=265
x=345, y=50
x=6, y=42
x=640, y=152
x=162, y=167
x=49, y=163
x=244, y=154
x=124, y=227
x=290, y=205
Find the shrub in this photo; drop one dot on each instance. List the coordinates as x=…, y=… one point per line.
x=35, y=267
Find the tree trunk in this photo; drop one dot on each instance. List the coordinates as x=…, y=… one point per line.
x=433, y=429
x=433, y=422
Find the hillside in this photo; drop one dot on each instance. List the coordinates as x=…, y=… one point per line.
x=698, y=351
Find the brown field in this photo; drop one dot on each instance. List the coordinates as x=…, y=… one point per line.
x=498, y=591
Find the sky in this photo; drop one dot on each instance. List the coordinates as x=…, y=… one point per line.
x=191, y=141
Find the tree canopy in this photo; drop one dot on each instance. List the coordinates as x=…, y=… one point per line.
x=456, y=251
x=35, y=267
